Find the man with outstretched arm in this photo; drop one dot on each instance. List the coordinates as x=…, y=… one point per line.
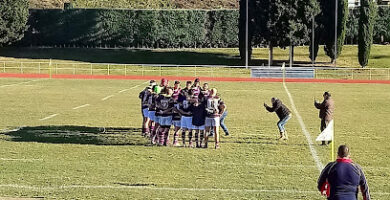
x=340, y=180
x=326, y=111
x=283, y=113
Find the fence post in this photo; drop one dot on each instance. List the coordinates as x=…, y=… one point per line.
x=56, y=68
x=108, y=69
x=352, y=74
x=160, y=70
x=21, y=67
x=4, y=66
x=142, y=70
x=39, y=68
x=370, y=75
x=388, y=74
x=196, y=73
x=91, y=69
x=125, y=70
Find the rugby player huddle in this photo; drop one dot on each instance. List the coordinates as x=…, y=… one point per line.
x=193, y=109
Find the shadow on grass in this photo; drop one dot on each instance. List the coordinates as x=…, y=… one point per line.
x=123, y=56
x=140, y=56
x=79, y=135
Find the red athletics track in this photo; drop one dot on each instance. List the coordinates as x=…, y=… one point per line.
x=225, y=79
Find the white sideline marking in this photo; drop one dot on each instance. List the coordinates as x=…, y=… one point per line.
x=293, y=191
x=48, y=117
x=82, y=106
x=123, y=90
x=313, y=151
x=9, y=85
x=20, y=159
x=107, y=97
x=265, y=165
x=132, y=87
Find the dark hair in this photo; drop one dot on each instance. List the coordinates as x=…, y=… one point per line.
x=327, y=94
x=343, y=151
x=189, y=82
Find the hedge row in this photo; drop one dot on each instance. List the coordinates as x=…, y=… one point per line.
x=155, y=28
x=132, y=28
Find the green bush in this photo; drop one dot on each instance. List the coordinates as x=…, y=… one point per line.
x=156, y=28
x=132, y=28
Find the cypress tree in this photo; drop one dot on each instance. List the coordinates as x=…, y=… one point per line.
x=366, y=30
x=13, y=20
x=342, y=16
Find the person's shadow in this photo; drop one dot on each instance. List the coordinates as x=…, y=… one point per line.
x=78, y=135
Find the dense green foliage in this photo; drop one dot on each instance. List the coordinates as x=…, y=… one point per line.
x=366, y=26
x=13, y=19
x=138, y=4
x=132, y=28
x=279, y=23
x=329, y=27
x=172, y=28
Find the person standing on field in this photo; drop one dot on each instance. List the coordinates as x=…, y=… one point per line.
x=340, y=180
x=283, y=113
x=326, y=111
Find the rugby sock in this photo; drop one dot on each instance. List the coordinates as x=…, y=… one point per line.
x=201, y=137
x=190, y=138
x=197, y=138
x=166, y=138
x=160, y=137
x=183, y=137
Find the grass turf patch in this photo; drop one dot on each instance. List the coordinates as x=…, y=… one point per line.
x=52, y=158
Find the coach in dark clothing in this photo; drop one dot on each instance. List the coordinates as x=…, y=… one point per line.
x=326, y=111
x=340, y=180
x=283, y=113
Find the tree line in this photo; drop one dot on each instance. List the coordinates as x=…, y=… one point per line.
x=289, y=23
x=276, y=23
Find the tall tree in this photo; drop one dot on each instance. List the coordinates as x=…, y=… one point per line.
x=325, y=28
x=13, y=20
x=366, y=30
x=283, y=23
x=342, y=16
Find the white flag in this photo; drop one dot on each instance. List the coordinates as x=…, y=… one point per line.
x=327, y=134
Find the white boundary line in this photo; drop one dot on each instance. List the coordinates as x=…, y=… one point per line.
x=48, y=117
x=82, y=106
x=133, y=87
x=107, y=97
x=290, y=191
x=313, y=151
x=20, y=159
x=20, y=83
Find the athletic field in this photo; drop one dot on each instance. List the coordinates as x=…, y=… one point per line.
x=81, y=139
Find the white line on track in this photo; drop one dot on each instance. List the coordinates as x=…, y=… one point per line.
x=82, y=106
x=290, y=191
x=9, y=85
x=48, y=117
x=107, y=97
x=313, y=151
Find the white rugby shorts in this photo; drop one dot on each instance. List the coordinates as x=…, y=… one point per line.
x=212, y=122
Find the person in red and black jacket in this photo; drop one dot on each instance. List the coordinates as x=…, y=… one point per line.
x=340, y=180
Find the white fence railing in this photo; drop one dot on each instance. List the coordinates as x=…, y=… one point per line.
x=177, y=70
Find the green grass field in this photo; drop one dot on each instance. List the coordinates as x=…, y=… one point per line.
x=379, y=57
x=71, y=155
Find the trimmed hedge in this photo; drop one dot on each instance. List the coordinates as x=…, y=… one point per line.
x=155, y=28
x=132, y=28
